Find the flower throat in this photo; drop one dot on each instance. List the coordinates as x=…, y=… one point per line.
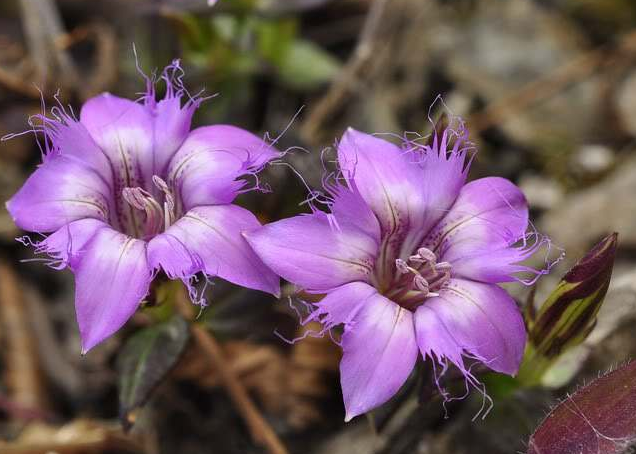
x=148, y=216
x=417, y=278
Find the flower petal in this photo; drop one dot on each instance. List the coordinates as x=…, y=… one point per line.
x=171, y=127
x=141, y=139
x=60, y=191
x=67, y=136
x=379, y=351
x=408, y=189
x=123, y=129
x=499, y=265
x=476, y=237
x=313, y=252
x=341, y=304
x=475, y=319
x=112, y=277
x=349, y=207
x=206, y=168
x=171, y=117
x=209, y=239
x=379, y=345
x=68, y=243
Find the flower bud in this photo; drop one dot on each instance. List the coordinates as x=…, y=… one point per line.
x=569, y=314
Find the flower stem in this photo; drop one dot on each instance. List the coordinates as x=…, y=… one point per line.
x=261, y=431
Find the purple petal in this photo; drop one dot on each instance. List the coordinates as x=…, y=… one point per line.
x=498, y=265
x=472, y=319
x=112, y=277
x=489, y=216
x=123, y=129
x=341, y=304
x=313, y=252
x=171, y=127
x=350, y=208
x=207, y=167
x=68, y=243
x=408, y=189
x=379, y=348
x=66, y=136
x=209, y=239
x=171, y=117
x=60, y=191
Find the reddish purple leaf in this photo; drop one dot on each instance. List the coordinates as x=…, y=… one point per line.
x=600, y=418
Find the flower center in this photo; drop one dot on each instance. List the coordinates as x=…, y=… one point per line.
x=418, y=278
x=152, y=216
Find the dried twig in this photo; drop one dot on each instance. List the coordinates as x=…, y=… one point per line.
x=43, y=28
x=54, y=362
x=20, y=412
x=104, y=73
x=312, y=362
x=77, y=437
x=23, y=377
x=358, y=64
x=14, y=81
x=261, y=431
x=545, y=87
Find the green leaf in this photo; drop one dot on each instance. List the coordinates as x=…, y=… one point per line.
x=275, y=38
x=568, y=316
x=144, y=361
x=306, y=66
x=194, y=32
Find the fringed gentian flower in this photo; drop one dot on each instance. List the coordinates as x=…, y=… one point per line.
x=129, y=190
x=409, y=257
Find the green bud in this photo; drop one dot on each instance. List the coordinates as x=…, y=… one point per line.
x=568, y=316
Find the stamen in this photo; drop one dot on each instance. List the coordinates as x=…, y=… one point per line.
x=142, y=200
x=414, y=284
x=416, y=259
x=427, y=255
x=421, y=284
x=160, y=184
x=443, y=267
x=401, y=266
x=169, y=211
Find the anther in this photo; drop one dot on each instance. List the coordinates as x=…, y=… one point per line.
x=443, y=267
x=169, y=203
x=160, y=184
x=401, y=266
x=142, y=200
x=427, y=255
x=137, y=198
x=421, y=284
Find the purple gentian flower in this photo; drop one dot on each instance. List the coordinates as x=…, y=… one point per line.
x=129, y=190
x=408, y=256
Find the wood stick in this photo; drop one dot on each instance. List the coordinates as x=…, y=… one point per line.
x=23, y=376
x=261, y=431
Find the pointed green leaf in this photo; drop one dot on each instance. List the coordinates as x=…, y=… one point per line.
x=569, y=314
x=599, y=418
x=145, y=360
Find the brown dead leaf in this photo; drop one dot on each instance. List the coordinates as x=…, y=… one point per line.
x=260, y=368
x=313, y=361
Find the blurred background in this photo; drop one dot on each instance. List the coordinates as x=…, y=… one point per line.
x=548, y=91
